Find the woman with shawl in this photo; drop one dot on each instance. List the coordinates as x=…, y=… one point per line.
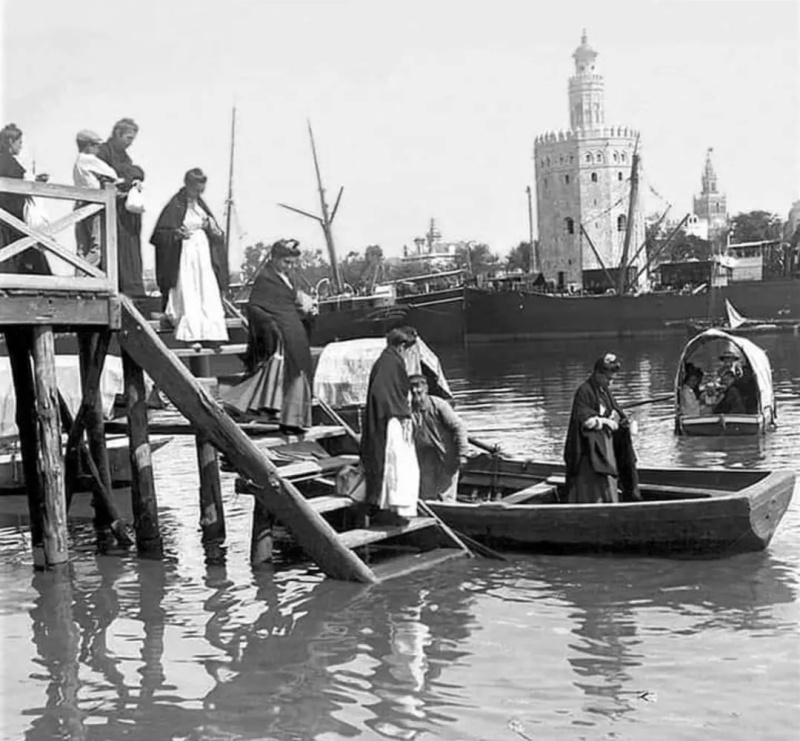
x=278, y=352
x=191, y=264
x=114, y=152
x=388, y=455
x=598, y=452
x=31, y=260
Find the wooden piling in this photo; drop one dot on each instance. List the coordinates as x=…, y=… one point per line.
x=262, y=542
x=92, y=351
x=212, y=514
x=19, y=346
x=143, y=489
x=50, y=463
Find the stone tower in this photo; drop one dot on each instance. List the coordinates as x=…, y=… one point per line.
x=583, y=178
x=711, y=206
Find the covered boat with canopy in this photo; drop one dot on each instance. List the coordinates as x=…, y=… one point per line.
x=709, y=356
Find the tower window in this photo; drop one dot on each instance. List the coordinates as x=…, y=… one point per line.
x=619, y=176
x=570, y=225
x=622, y=157
x=598, y=157
x=566, y=178
x=571, y=159
x=589, y=157
x=544, y=180
x=561, y=160
x=616, y=157
x=594, y=177
x=621, y=222
x=548, y=162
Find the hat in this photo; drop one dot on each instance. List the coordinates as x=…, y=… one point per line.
x=89, y=136
x=285, y=248
x=609, y=363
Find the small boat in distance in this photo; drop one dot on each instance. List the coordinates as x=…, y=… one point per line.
x=754, y=373
x=708, y=513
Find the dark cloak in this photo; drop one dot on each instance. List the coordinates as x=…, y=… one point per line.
x=274, y=318
x=129, y=225
x=582, y=444
x=387, y=397
x=31, y=260
x=169, y=244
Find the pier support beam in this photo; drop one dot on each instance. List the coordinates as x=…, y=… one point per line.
x=262, y=542
x=92, y=356
x=212, y=515
x=143, y=489
x=50, y=463
x=19, y=343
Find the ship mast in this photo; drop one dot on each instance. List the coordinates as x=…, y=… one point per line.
x=229, y=201
x=622, y=272
x=326, y=220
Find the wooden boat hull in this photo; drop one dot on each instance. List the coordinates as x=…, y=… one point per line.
x=684, y=512
x=12, y=478
x=722, y=425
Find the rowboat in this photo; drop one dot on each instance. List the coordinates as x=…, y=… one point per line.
x=702, y=351
x=684, y=512
x=12, y=478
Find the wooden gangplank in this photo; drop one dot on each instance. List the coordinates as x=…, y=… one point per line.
x=333, y=552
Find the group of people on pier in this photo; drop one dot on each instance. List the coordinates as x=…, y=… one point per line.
x=191, y=259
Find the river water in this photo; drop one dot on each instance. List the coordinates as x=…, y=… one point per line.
x=536, y=648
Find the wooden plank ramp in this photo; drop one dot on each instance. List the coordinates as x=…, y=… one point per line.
x=340, y=555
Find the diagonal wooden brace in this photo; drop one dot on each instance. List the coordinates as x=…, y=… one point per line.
x=91, y=389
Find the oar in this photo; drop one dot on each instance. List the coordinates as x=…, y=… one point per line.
x=492, y=448
x=467, y=543
x=654, y=400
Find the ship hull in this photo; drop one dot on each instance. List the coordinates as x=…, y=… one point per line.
x=509, y=315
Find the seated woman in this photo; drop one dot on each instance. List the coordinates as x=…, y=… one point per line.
x=731, y=401
x=278, y=351
x=691, y=406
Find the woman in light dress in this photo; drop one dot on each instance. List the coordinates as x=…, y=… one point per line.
x=192, y=265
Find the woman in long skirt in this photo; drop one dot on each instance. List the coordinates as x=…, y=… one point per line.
x=191, y=265
x=278, y=352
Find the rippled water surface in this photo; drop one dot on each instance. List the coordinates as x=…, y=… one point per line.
x=536, y=648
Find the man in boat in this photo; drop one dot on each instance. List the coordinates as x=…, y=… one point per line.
x=391, y=471
x=440, y=438
x=598, y=452
x=731, y=401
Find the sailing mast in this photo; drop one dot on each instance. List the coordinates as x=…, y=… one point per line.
x=229, y=201
x=622, y=272
x=326, y=220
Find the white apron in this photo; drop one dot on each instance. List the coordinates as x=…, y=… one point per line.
x=400, y=489
x=195, y=305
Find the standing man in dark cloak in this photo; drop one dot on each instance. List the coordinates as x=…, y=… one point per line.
x=387, y=432
x=114, y=152
x=598, y=452
x=278, y=355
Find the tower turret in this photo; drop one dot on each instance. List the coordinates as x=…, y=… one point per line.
x=709, y=178
x=586, y=105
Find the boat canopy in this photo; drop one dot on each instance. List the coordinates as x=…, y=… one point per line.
x=755, y=356
x=342, y=374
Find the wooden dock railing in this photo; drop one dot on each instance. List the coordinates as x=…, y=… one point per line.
x=50, y=299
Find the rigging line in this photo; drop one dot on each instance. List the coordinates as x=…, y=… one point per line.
x=609, y=209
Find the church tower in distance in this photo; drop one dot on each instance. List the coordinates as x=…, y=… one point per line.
x=583, y=178
x=711, y=206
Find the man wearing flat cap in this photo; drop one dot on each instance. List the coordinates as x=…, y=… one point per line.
x=598, y=452
x=89, y=171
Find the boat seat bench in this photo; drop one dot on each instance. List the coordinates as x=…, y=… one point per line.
x=664, y=491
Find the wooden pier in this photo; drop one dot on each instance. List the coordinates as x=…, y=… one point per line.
x=290, y=478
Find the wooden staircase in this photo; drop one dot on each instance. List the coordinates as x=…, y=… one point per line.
x=291, y=477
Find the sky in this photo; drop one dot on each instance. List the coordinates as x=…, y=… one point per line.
x=421, y=108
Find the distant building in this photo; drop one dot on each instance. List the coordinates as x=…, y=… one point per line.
x=430, y=251
x=583, y=178
x=710, y=213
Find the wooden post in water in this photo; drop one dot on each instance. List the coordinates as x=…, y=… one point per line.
x=143, y=488
x=91, y=351
x=50, y=464
x=261, y=543
x=212, y=515
x=18, y=343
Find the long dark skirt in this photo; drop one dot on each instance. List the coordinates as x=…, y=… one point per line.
x=590, y=487
x=279, y=381
x=129, y=251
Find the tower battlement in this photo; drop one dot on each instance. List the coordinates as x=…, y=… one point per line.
x=604, y=132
